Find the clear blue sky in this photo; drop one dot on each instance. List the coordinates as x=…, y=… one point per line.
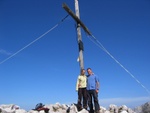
x=47, y=70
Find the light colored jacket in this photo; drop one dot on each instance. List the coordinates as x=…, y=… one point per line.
x=81, y=82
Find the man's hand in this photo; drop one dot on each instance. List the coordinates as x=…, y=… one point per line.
x=96, y=91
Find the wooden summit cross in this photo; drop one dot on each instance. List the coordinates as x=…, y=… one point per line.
x=76, y=17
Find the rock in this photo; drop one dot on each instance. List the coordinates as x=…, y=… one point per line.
x=113, y=108
x=10, y=108
x=64, y=107
x=20, y=111
x=83, y=111
x=56, y=107
x=123, y=111
x=73, y=109
x=42, y=111
x=138, y=109
x=33, y=111
x=106, y=111
x=122, y=108
x=102, y=109
x=130, y=110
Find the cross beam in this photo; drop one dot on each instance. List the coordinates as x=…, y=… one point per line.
x=76, y=18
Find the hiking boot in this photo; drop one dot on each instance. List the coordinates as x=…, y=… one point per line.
x=97, y=111
x=79, y=108
x=85, y=108
x=91, y=111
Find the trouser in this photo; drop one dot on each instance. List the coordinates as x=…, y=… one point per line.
x=82, y=97
x=93, y=95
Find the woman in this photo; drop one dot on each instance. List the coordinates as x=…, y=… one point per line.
x=81, y=88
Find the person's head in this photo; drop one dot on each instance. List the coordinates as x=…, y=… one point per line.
x=82, y=71
x=89, y=71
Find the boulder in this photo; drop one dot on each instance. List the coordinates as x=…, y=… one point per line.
x=20, y=111
x=113, y=108
x=83, y=111
x=10, y=108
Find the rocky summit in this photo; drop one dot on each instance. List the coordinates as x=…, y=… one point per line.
x=62, y=108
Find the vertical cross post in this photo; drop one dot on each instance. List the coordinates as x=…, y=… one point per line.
x=80, y=43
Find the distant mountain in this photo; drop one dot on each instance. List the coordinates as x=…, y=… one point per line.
x=145, y=108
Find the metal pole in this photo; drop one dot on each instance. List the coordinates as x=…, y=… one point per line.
x=80, y=43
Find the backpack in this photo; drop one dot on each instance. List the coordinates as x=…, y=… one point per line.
x=39, y=105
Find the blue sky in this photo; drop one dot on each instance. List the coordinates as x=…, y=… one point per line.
x=47, y=70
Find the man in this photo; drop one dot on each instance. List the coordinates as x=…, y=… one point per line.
x=92, y=91
x=81, y=88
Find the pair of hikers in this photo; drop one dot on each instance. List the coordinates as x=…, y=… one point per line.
x=88, y=87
